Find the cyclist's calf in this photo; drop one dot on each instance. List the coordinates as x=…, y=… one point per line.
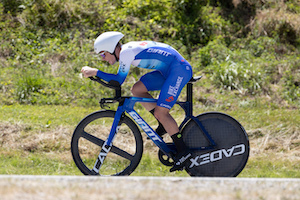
x=163, y=116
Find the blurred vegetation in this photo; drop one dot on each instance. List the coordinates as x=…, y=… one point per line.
x=244, y=48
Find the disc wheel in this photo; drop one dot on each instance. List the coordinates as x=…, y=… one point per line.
x=230, y=154
x=90, y=135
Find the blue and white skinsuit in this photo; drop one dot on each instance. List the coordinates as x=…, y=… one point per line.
x=171, y=71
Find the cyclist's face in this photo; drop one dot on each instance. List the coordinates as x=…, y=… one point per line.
x=109, y=58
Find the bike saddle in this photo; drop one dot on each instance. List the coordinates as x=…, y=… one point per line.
x=194, y=79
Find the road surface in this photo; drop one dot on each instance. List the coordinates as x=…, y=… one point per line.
x=144, y=188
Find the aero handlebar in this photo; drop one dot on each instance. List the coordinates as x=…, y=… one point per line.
x=111, y=84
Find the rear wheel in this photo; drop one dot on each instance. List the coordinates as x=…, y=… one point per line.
x=228, y=157
x=90, y=135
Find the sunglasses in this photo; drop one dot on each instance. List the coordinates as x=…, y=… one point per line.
x=102, y=54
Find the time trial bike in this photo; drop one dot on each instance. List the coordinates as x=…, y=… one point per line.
x=109, y=142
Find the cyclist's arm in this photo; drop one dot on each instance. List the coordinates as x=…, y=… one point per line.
x=125, y=61
x=108, y=77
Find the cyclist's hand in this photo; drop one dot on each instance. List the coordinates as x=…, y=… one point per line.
x=88, y=71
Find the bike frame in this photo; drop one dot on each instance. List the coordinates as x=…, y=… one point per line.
x=127, y=105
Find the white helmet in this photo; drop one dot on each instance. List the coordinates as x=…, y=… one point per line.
x=107, y=41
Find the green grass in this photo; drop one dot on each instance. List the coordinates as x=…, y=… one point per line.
x=17, y=162
x=263, y=167
x=44, y=116
x=36, y=140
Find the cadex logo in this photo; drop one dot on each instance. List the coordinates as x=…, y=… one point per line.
x=103, y=153
x=217, y=155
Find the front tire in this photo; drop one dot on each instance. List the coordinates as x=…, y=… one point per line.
x=92, y=132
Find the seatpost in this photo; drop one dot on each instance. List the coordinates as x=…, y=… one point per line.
x=189, y=96
x=118, y=93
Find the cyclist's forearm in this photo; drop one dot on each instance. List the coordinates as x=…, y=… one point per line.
x=108, y=77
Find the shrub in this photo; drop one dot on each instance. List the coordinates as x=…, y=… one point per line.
x=214, y=51
x=291, y=82
x=27, y=87
x=292, y=87
x=247, y=79
x=278, y=23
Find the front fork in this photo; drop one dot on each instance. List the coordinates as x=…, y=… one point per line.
x=106, y=147
x=103, y=153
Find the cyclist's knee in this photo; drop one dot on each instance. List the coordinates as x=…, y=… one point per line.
x=133, y=90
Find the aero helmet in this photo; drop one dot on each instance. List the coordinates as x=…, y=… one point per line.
x=107, y=41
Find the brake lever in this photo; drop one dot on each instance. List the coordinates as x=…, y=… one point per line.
x=105, y=101
x=104, y=106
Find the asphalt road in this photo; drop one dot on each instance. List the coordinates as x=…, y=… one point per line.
x=123, y=188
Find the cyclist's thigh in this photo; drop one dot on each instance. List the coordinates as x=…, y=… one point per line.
x=178, y=77
x=153, y=80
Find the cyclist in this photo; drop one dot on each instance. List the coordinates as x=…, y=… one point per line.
x=170, y=74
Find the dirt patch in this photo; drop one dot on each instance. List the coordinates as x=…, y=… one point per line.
x=24, y=137
x=285, y=143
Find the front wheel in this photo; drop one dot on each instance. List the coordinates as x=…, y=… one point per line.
x=90, y=135
x=231, y=151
